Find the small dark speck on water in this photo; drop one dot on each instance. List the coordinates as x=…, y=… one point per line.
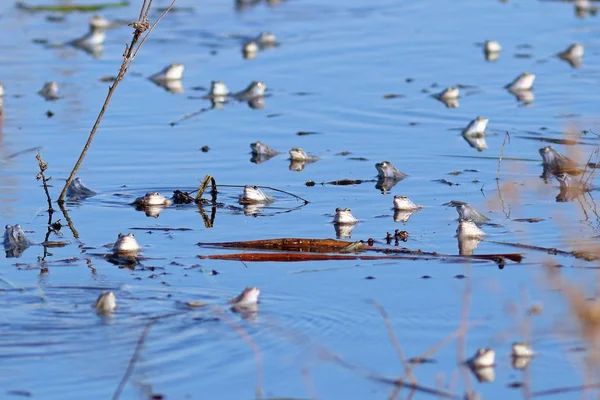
x=523, y=55
x=460, y=276
x=409, y=80
x=108, y=78
x=343, y=153
x=49, y=114
x=515, y=385
x=310, y=183
x=205, y=149
x=40, y=41
x=358, y=158
x=23, y=393
x=426, y=277
x=306, y=133
x=413, y=123
x=393, y=96
x=214, y=272
x=369, y=277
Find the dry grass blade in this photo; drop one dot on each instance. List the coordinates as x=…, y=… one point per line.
x=407, y=368
x=203, y=187
x=133, y=360
x=141, y=25
x=506, y=137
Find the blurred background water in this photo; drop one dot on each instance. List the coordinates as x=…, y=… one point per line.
x=335, y=64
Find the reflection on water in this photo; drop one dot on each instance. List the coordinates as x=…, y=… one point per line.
x=328, y=71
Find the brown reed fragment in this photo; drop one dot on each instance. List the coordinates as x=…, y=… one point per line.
x=141, y=26
x=203, y=187
x=386, y=319
x=40, y=176
x=69, y=221
x=506, y=136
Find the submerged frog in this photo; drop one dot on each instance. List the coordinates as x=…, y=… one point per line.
x=106, y=303
x=253, y=195
x=49, y=91
x=255, y=90
x=476, y=127
x=172, y=72
x=469, y=229
x=483, y=358
x=521, y=82
x=385, y=170
x=248, y=299
x=78, y=191
x=126, y=244
x=297, y=154
x=152, y=199
x=343, y=216
x=405, y=204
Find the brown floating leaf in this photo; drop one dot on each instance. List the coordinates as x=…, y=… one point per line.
x=336, y=246
x=288, y=244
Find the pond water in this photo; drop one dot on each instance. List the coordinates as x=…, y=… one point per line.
x=317, y=333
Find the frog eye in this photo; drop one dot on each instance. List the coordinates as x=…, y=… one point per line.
x=337, y=210
x=255, y=187
x=120, y=235
x=404, y=197
x=347, y=209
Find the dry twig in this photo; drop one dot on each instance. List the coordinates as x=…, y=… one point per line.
x=141, y=25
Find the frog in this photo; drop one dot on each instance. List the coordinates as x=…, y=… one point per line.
x=78, y=191
x=15, y=241
x=523, y=82
x=467, y=212
x=573, y=55
x=450, y=93
x=49, y=91
x=297, y=154
x=491, y=47
x=476, y=128
x=152, y=199
x=260, y=149
x=172, y=72
x=554, y=162
x=106, y=303
x=483, y=358
x=343, y=216
x=522, y=349
x=256, y=89
x=385, y=170
x=248, y=299
x=126, y=244
x=253, y=195
x=405, y=204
